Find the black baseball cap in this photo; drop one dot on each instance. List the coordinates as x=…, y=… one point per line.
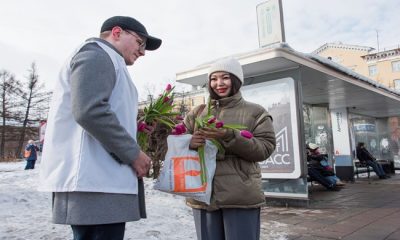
x=129, y=23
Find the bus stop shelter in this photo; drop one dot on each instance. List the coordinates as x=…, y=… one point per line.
x=311, y=99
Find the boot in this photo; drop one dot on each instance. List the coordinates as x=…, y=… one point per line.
x=340, y=183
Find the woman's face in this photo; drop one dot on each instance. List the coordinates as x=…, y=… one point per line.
x=221, y=84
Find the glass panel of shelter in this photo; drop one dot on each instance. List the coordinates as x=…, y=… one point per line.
x=317, y=129
x=380, y=135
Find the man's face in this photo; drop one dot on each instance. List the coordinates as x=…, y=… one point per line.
x=131, y=45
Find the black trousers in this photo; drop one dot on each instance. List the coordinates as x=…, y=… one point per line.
x=227, y=224
x=113, y=231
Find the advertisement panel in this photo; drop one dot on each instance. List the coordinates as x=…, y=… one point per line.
x=341, y=137
x=278, y=97
x=340, y=131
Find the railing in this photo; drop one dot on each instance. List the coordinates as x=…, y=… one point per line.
x=385, y=49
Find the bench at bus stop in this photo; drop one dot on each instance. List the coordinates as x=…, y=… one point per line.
x=359, y=167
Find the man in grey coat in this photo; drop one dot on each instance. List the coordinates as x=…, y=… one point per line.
x=91, y=160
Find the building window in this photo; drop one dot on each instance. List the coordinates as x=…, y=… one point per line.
x=396, y=66
x=396, y=84
x=373, y=70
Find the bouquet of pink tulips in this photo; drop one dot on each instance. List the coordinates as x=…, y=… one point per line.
x=211, y=121
x=176, y=170
x=159, y=111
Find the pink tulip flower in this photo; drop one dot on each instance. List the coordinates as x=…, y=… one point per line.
x=168, y=88
x=211, y=120
x=179, y=129
x=246, y=134
x=166, y=99
x=142, y=126
x=219, y=124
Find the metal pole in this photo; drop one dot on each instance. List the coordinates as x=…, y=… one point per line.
x=377, y=38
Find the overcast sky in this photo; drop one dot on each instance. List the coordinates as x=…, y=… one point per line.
x=193, y=32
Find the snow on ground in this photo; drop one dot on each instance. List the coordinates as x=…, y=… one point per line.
x=25, y=213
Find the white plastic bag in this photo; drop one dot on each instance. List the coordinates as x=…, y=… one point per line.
x=181, y=172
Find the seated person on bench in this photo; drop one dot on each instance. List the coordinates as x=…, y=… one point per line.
x=319, y=169
x=366, y=158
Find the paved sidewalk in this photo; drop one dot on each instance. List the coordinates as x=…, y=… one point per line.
x=364, y=210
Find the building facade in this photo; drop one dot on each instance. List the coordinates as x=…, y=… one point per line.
x=381, y=66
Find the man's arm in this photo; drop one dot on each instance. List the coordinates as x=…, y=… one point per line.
x=92, y=81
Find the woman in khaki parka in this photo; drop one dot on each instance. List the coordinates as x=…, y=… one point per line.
x=237, y=196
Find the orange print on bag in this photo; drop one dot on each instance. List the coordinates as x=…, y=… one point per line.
x=180, y=175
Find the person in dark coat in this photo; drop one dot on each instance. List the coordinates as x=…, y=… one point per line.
x=31, y=150
x=319, y=162
x=366, y=157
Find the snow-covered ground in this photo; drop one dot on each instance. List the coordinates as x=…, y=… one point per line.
x=25, y=212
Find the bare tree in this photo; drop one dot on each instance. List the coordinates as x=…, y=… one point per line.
x=35, y=104
x=182, y=104
x=10, y=90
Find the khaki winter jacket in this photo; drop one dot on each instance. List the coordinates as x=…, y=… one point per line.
x=237, y=180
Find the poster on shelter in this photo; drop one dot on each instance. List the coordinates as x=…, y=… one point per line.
x=278, y=97
x=340, y=132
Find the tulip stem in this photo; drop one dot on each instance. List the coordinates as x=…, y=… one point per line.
x=203, y=168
